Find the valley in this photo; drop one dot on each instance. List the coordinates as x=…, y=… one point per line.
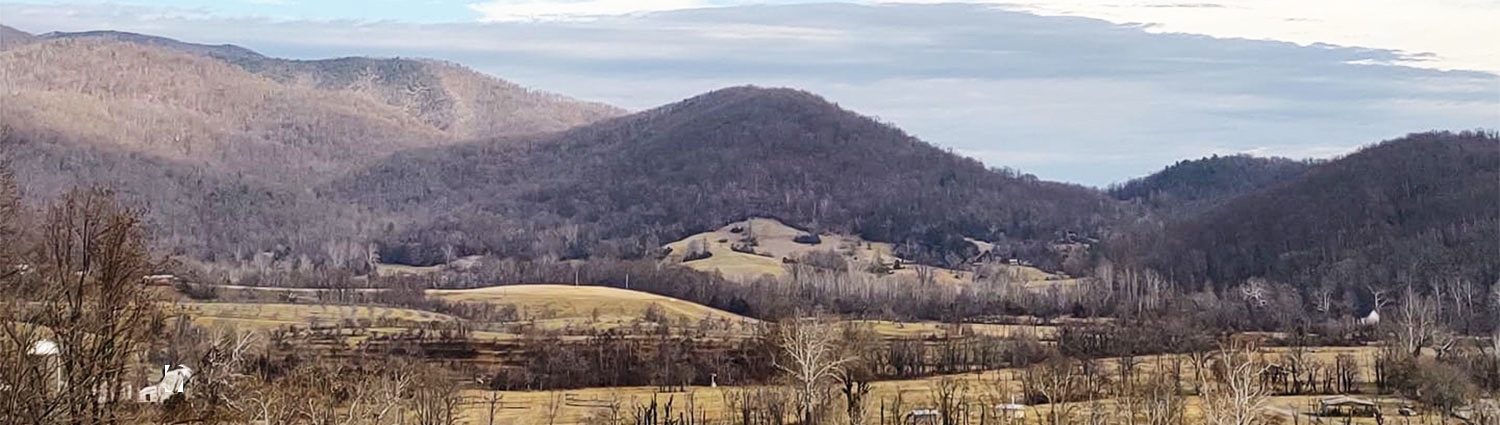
x=391, y=241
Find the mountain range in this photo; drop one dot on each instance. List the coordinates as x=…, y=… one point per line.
x=240, y=156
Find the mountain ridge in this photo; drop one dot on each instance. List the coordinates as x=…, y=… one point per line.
x=720, y=157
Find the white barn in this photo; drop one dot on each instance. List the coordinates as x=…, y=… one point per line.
x=173, y=381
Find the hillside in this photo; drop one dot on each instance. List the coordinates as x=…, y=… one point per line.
x=628, y=185
x=11, y=37
x=450, y=98
x=177, y=106
x=221, y=157
x=1191, y=186
x=1419, y=209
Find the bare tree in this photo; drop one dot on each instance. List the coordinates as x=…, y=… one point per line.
x=811, y=358
x=1057, y=382
x=1234, y=395
x=1416, y=322
x=435, y=399
x=855, y=389
x=553, y=405
x=93, y=300
x=949, y=394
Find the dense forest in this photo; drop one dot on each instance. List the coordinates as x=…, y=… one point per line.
x=1411, y=211
x=1191, y=186
x=625, y=186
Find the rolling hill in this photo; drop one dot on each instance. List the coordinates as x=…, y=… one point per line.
x=628, y=185
x=1423, y=208
x=450, y=98
x=223, y=156
x=1191, y=186
x=11, y=37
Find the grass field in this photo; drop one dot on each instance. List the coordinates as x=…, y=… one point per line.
x=774, y=242
x=601, y=307
x=989, y=387
x=919, y=330
x=269, y=316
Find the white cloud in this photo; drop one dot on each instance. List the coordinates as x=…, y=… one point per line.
x=1067, y=98
x=1451, y=30
x=1439, y=34
x=553, y=10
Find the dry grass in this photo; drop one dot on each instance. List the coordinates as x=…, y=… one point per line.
x=555, y=306
x=923, y=330
x=270, y=316
x=774, y=241
x=990, y=387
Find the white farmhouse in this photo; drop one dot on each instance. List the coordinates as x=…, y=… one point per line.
x=173, y=381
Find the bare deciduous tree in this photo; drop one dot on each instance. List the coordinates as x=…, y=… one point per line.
x=93, y=301
x=1059, y=383
x=1234, y=396
x=811, y=358
x=1416, y=322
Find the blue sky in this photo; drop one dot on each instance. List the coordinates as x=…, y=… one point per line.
x=1086, y=92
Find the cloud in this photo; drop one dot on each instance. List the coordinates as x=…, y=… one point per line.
x=548, y=10
x=1070, y=98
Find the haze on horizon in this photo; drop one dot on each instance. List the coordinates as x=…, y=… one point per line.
x=1086, y=92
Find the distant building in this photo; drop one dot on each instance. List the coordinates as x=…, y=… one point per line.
x=1371, y=319
x=923, y=417
x=173, y=381
x=1011, y=411
x=1346, y=406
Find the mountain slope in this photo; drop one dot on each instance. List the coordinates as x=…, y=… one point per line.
x=450, y=98
x=1191, y=186
x=625, y=186
x=11, y=37
x=1422, y=208
x=191, y=108
x=222, y=156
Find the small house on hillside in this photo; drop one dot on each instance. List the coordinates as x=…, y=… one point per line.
x=1371, y=319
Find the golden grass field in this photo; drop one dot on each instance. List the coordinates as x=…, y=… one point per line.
x=384, y=269
x=555, y=306
x=774, y=239
x=989, y=387
x=269, y=316
x=920, y=330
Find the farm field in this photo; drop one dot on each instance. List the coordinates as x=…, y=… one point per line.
x=987, y=387
x=774, y=242
x=269, y=316
x=555, y=306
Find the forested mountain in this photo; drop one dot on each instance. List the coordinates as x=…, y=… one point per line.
x=1190, y=186
x=624, y=186
x=1424, y=208
x=222, y=156
x=448, y=97
x=11, y=37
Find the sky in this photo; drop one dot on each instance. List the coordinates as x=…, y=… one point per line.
x=1091, y=92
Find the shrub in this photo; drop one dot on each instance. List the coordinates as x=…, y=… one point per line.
x=824, y=260
x=808, y=239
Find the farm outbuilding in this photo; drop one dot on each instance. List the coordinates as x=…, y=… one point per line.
x=923, y=417
x=1347, y=406
x=1011, y=411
